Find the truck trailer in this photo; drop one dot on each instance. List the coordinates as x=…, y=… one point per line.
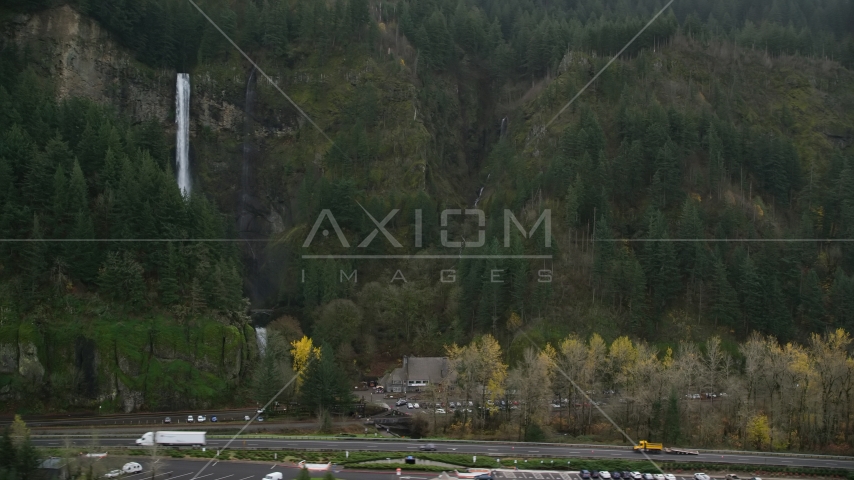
x=172, y=438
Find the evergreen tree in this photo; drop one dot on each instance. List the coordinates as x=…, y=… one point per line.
x=78, y=196
x=812, y=302
x=842, y=299
x=672, y=422
x=269, y=379
x=753, y=297
x=325, y=384
x=169, y=290
x=82, y=257
x=35, y=255
x=60, y=202
x=725, y=301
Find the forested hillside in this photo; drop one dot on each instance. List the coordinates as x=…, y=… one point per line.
x=702, y=185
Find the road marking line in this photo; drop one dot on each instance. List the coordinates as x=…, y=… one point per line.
x=220, y=478
x=182, y=475
x=215, y=463
x=274, y=466
x=244, y=478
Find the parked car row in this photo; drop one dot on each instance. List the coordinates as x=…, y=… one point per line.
x=604, y=475
x=204, y=418
x=707, y=395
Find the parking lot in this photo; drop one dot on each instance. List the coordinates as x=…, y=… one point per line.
x=554, y=475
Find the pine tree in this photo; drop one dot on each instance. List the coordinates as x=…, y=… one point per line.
x=842, y=299
x=60, y=202
x=672, y=422
x=812, y=302
x=169, y=290
x=725, y=301
x=35, y=254
x=753, y=297
x=78, y=196
x=518, y=277
x=325, y=384
x=269, y=379
x=82, y=257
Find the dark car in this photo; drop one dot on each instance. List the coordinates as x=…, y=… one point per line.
x=615, y=475
x=585, y=474
x=594, y=474
x=484, y=476
x=213, y=419
x=626, y=475
x=427, y=448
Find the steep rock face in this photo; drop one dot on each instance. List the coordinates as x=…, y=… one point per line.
x=29, y=366
x=85, y=62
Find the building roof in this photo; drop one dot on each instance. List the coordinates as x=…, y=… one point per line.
x=432, y=369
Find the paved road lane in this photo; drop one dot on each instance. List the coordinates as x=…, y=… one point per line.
x=492, y=449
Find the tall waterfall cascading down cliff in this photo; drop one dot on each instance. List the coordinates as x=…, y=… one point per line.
x=182, y=118
x=252, y=223
x=261, y=338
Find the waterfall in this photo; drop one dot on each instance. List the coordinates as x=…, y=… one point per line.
x=182, y=118
x=261, y=338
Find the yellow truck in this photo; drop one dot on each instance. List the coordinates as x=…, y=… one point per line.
x=644, y=446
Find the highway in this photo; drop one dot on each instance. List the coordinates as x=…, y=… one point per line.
x=137, y=418
x=491, y=449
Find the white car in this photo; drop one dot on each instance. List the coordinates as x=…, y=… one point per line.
x=132, y=467
x=415, y=405
x=605, y=475
x=189, y=419
x=658, y=476
x=246, y=418
x=113, y=474
x=669, y=476
x=202, y=418
x=701, y=476
x=409, y=405
x=273, y=476
x=440, y=410
x=636, y=475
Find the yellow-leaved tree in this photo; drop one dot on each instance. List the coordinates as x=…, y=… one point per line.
x=303, y=352
x=758, y=432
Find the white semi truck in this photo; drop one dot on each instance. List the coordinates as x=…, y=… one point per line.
x=172, y=438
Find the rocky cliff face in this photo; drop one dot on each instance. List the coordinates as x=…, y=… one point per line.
x=84, y=61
